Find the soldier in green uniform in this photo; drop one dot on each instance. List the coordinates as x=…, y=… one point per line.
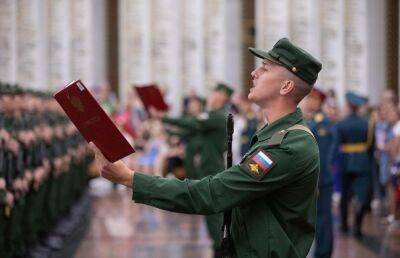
x=209, y=136
x=191, y=139
x=273, y=191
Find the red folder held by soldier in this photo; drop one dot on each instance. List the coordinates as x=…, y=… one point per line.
x=92, y=121
x=151, y=97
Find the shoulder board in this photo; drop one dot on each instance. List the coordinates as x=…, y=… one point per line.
x=278, y=137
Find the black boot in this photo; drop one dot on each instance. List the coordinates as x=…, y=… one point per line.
x=358, y=218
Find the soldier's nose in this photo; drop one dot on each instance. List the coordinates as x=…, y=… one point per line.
x=253, y=74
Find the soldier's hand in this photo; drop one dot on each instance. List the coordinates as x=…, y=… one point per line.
x=4, y=135
x=17, y=184
x=25, y=185
x=2, y=184
x=156, y=113
x=36, y=180
x=28, y=175
x=9, y=199
x=116, y=172
x=46, y=165
x=58, y=164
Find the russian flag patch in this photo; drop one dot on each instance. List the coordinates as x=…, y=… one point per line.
x=258, y=164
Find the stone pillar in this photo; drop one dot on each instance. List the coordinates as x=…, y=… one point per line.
x=233, y=34
x=28, y=48
x=332, y=47
x=377, y=49
x=301, y=24
x=356, y=76
x=166, y=50
x=214, y=45
x=59, y=73
x=80, y=47
x=193, y=47
x=134, y=44
x=272, y=22
x=8, y=38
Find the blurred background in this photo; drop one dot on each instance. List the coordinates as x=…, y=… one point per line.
x=52, y=202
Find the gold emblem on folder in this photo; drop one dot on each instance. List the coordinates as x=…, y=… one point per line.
x=76, y=103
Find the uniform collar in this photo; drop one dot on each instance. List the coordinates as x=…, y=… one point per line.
x=221, y=109
x=281, y=124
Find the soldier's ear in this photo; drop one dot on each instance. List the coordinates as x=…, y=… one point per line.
x=287, y=87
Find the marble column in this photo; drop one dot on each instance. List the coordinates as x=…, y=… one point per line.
x=166, y=65
x=355, y=45
x=233, y=49
x=59, y=71
x=80, y=47
x=134, y=44
x=214, y=42
x=193, y=47
x=332, y=47
x=272, y=22
x=376, y=49
x=8, y=38
x=301, y=24
x=28, y=55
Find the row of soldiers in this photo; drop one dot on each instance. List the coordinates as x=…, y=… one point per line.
x=43, y=171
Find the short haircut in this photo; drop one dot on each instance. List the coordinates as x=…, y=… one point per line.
x=301, y=87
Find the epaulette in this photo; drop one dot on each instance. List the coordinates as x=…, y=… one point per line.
x=278, y=137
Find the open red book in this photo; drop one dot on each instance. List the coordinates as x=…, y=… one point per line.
x=151, y=96
x=92, y=122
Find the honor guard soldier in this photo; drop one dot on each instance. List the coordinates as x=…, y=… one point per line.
x=273, y=191
x=323, y=130
x=208, y=129
x=353, y=141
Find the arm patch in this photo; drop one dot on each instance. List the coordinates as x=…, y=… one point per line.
x=258, y=164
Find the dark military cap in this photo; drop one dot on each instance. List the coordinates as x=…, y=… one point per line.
x=225, y=88
x=354, y=99
x=295, y=59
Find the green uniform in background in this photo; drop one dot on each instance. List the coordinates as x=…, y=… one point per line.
x=207, y=154
x=272, y=192
x=192, y=141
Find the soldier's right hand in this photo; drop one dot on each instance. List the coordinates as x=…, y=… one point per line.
x=18, y=185
x=28, y=176
x=13, y=145
x=9, y=199
x=2, y=184
x=4, y=135
x=58, y=163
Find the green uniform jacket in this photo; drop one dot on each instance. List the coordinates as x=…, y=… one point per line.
x=274, y=207
x=210, y=130
x=193, y=141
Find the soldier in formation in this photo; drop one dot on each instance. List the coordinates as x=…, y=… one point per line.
x=43, y=164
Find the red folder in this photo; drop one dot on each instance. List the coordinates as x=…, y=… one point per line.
x=151, y=96
x=92, y=122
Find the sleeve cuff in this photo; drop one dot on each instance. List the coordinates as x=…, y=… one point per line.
x=142, y=187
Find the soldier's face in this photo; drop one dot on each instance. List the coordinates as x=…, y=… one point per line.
x=216, y=100
x=267, y=81
x=194, y=107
